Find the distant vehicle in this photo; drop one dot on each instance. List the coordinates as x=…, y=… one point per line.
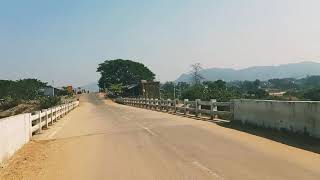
x=79, y=90
x=70, y=89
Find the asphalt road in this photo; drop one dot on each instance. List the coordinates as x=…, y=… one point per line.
x=104, y=140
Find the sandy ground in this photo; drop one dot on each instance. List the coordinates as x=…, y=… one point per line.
x=103, y=140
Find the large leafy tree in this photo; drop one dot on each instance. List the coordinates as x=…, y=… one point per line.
x=123, y=72
x=6, y=88
x=168, y=90
x=312, y=94
x=28, y=89
x=171, y=90
x=24, y=89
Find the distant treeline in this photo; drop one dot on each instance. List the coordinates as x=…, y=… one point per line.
x=25, y=89
x=21, y=91
x=306, y=83
x=294, y=89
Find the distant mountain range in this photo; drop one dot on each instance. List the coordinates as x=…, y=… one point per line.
x=295, y=70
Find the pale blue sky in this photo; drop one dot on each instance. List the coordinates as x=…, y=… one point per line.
x=64, y=40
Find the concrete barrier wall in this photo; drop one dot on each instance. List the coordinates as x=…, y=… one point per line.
x=295, y=116
x=14, y=133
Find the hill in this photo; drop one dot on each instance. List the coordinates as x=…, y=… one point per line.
x=294, y=70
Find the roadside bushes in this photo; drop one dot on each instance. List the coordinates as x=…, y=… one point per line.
x=312, y=94
x=8, y=103
x=211, y=90
x=23, y=89
x=47, y=102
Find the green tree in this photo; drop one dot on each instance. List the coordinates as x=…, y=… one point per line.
x=168, y=90
x=181, y=87
x=27, y=89
x=283, y=84
x=5, y=88
x=218, y=90
x=24, y=89
x=123, y=72
x=116, y=89
x=312, y=94
x=309, y=82
x=260, y=94
x=48, y=102
x=256, y=84
x=195, y=92
x=219, y=85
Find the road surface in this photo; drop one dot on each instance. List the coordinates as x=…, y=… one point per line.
x=104, y=140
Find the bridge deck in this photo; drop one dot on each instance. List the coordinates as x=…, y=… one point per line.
x=103, y=140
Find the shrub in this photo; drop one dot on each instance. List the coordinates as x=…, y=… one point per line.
x=8, y=103
x=312, y=94
x=48, y=102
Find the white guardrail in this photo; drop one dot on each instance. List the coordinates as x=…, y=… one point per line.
x=44, y=118
x=197, y=107
x=293, y=116
x=15, y=131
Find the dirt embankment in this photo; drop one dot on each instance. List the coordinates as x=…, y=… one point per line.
x=19, y=109
x=27, y=107
x=26, y=157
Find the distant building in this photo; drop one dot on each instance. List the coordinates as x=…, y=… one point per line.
x=48, y=91
x=144, y=89
x=277, y=94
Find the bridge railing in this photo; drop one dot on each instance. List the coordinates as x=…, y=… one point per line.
x=15, y=131
x=197, y=107
x=44, y=118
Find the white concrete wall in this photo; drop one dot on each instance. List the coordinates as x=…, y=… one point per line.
x=14, y=133
x=295, y=116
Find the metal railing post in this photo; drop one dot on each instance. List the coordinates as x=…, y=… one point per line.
x=30, y=124
x=213, y=108
x=160, y=104
x=147, y=103
x=167, y=104
x=197, y=107
x=55, y=114
x=185, y=102
x=175, y=101
x=232, y=104
x=156, y=102
x=47, y=120
x=40, y=127
x=51, y=116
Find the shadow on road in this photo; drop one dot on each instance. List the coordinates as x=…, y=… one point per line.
x=292, y=139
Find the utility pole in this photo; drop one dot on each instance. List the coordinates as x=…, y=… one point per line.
x=53, y=88
x=174, y=90
x=196, y=73
x=180, y=92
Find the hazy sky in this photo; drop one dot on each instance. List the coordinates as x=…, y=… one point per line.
x=64, y=40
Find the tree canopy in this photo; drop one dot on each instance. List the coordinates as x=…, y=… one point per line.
x=24, y=89
x=123, y=72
